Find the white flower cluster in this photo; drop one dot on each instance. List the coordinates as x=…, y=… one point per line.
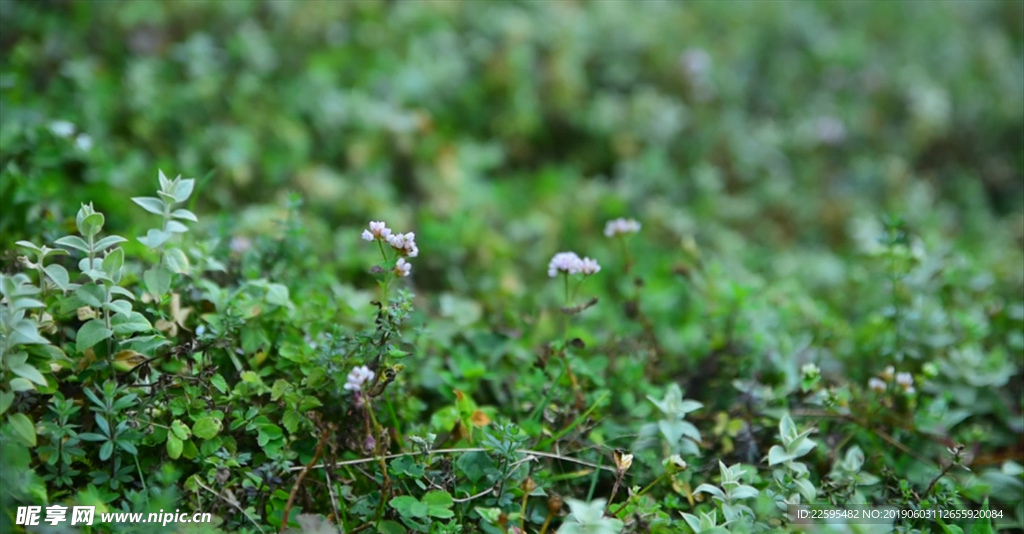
x=378, y=230
x=359, y=376
x=904, y=380
x=621, y=226
x=571, y=263
x=404, y=244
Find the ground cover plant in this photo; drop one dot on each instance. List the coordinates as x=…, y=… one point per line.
x=456, y=267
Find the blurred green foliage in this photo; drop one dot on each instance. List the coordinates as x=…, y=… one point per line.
x=836, y=183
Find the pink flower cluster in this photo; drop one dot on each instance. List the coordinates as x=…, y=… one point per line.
x=403, y=244
x=571, y=263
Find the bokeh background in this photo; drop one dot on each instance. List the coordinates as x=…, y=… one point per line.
x=774, y=122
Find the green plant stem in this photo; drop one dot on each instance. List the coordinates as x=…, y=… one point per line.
x=385, y=480
x=547, y=521
x=394, y=420
x=387, y=276
x=593, y=481
x=638, y=495
x=142, y=477
x=106, y=323
x=522, y=512
x=615, y=489
x=626, y=254
x=564, y=353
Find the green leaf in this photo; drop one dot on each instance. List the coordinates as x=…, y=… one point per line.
x=28, y=372
x=787, y=430
x=184, y=214
x=20, y=384
x=174, y=446
x=23, y=427
x=278, y=294
x=6, y=399
x=801, y=446
x=439, y=504
x=29, y=245
x=219, y=383
x=157, y=280
x=184, y=189
x=25, y=332
x=59, y=275
x=118, y=290
x=91, y=224
x=75, y=242
x=176, y=261
x=108, y=242
x=154, y=238
x=777, y=455
x=131, y=323
x=165, y=184
x=269, y=432
x=409, y=507
x=206, y=427
x=91, y=333
x=119, y=306
x=91, y=295
x=180, y=430
x=391, y=527
x=175, y=227
x=151, y=204
x=113, y=262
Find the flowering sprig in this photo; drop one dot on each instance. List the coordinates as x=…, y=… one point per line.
x=621, y=226
x=620, y=229
x=904, y=381
x=569, y=264
x=404, y=246
x=358, y=377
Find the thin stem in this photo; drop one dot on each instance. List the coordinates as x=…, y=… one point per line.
x=615, y=489
x=387, y=275
x=547, y=521
x=626, y=254
x=638, y=495
x=564, y=352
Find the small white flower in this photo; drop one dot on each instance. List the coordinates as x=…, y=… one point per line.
x=240, y=244
x=675, y=463
x=405, y=244
x=877, y=385
x=589, y=266
x=62, y=128
x=906, y=381
x=359, y=376
x=888, y=373
x=83, y=142
x=810, y=370
x=619, y=226
x=565, y=262
x=403, y=268
x=378, y=230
